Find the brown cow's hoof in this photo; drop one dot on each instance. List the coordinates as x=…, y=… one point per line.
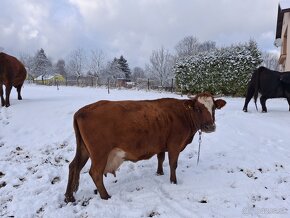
x=107, y=197
x=69, y=199
x=173, y=182
x=7, y=105
x=160, y=173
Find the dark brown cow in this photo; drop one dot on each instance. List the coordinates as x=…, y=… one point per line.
x=12, y=73
x=110, y=132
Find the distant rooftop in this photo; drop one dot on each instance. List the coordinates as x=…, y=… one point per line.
x=284, y=4
x=283, y=7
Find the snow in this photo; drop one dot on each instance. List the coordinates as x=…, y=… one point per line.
x=243, y=169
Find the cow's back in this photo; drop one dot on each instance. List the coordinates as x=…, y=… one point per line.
x=11, y=70
x=269, y=82
x=132, y=126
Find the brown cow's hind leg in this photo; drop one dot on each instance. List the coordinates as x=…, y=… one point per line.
x=75, y=168
x=161, y=157
x=96, y=172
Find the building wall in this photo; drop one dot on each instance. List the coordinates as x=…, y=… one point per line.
x=285, y=47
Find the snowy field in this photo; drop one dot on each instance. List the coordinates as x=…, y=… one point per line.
x=244, y=167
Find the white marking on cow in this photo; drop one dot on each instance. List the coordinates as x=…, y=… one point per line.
x=115, y=159
x=207, y=102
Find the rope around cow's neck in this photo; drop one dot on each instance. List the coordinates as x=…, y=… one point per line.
x=199, y=143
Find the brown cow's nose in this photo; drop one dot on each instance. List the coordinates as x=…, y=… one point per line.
x=208, y=128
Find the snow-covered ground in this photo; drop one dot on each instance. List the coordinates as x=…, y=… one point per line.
x=244, y=167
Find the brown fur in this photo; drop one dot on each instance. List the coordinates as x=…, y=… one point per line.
x=12, y=73
x=110, y=132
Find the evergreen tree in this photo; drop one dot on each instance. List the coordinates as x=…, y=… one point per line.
x=60, y=67
x=222, y=71
x=123, y=66
x=41, y=64
x=113, y=70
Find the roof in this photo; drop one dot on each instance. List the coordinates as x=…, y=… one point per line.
x=283, y=7
x=284, y=4
x=47, y=77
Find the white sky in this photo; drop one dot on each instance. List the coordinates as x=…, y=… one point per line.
x=132, y=28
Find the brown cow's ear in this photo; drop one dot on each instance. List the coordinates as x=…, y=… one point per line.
x=189, y=104
x=219, y=103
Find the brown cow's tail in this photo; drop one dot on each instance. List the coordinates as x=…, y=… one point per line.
x=79, y=140
x=76, y=165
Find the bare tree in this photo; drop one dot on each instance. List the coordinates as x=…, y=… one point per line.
x=137, y=73
x=187, y=46
x=76, y=63
x=59, y=67
x=270, y=60
x=96, y=63
x=160, y=66
x=27, y=60
x=190, y=45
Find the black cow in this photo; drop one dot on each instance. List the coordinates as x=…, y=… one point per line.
x=270, y=84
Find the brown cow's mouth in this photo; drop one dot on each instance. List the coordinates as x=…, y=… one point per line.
x=208, y=128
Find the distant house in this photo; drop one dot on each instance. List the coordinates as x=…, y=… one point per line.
x=122, y=82
x=49, y=79
x=282, y=32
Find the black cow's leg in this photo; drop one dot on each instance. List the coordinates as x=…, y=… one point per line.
x=7, y=92
x=288, y=99
x=161, y=157
x=75, y=168
x=173, y=158
x=249, y=96
x=2, y=97
x=19, y=91
x=263, y=103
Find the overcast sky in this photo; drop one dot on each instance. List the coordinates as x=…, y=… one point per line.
x=132, y=28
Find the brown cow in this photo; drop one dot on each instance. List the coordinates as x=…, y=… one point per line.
x=110, y=132
x=12, y=73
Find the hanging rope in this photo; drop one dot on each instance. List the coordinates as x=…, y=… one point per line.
x=199, y=143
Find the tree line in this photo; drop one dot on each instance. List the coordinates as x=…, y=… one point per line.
x=162, y=67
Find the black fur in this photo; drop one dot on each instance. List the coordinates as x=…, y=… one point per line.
x=270, y=84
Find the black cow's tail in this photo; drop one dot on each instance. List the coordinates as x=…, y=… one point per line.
x=256, y=78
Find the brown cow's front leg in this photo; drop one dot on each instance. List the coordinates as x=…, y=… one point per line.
x=173, y=158
x=7, y=92
x=160, y=157
x=96, y=172
x=2, y=97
